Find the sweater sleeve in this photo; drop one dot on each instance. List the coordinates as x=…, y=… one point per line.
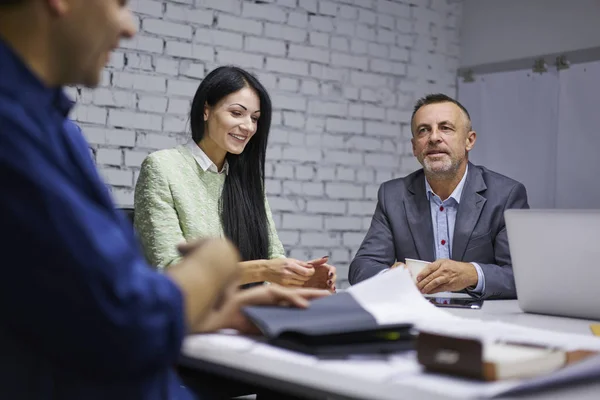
x=156, y=220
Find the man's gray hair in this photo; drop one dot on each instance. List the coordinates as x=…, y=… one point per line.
x=436, y=98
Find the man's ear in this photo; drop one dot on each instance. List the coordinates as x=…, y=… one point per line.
x=471, y=138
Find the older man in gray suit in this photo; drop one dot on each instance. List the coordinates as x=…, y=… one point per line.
x=450, y=212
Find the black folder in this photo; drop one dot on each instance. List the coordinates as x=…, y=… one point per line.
x=332, y=327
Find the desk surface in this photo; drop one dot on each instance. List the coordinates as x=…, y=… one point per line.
x=509, y=311
x=254, y=362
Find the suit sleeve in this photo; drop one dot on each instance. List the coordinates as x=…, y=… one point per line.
x=156, y=220
x=499, y=278
x=75, y=287
x=376, y=252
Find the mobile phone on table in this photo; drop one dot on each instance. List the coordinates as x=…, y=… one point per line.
x=454, y=302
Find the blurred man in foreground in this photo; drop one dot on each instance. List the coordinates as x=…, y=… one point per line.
x=84, y=316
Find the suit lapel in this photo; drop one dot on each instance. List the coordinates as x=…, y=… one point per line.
x=418, y=213
x=469, y=209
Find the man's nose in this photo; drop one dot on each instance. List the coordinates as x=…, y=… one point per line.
x=129, y=27
x=435, y=135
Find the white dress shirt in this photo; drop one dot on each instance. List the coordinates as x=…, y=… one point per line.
x=204, y=161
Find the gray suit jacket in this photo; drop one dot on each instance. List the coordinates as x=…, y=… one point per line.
x=402, y=228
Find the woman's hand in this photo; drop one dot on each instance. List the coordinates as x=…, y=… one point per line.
x=324, y=277
x=288, y=271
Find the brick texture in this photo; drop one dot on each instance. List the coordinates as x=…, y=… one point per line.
x=342, y=74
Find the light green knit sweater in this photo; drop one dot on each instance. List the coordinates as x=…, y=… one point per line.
x=176, y=201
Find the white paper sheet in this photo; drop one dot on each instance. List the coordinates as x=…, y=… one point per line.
x=393, y=298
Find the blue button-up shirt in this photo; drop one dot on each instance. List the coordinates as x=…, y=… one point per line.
x=443, y=217
x=83, y=315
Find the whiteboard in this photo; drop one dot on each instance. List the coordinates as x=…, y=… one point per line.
x=515, y=115
x=578, y=184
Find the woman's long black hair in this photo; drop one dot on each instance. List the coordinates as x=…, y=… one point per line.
x=242, y=203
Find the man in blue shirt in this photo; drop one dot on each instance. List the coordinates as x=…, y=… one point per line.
x=83, y=315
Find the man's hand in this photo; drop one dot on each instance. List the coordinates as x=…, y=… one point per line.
x=212, y=254
x=288, y=271
x=205, y=272
x=324, y=276
x=227, y=313
x=446, y=276
x=398, y=264
x=186, y=248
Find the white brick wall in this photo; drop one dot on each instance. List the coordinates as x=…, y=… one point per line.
x=343, y=75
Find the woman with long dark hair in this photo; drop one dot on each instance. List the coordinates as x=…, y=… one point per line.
x=214, y=186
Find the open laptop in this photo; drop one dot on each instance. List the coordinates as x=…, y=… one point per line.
x=556, y=261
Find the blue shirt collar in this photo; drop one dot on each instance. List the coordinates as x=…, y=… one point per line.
x=456, y=194
x=28, y=88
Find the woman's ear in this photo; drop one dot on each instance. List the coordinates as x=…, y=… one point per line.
x=206, y=112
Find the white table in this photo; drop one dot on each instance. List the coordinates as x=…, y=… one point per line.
x=257, y=363
x=509, y=311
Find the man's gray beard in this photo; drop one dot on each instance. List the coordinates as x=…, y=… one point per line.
x=446, y=173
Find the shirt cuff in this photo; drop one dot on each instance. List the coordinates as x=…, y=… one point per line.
x=480, y=288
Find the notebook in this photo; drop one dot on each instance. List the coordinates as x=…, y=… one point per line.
x=334, y=326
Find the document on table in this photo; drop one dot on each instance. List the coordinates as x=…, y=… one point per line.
x=393, y=298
